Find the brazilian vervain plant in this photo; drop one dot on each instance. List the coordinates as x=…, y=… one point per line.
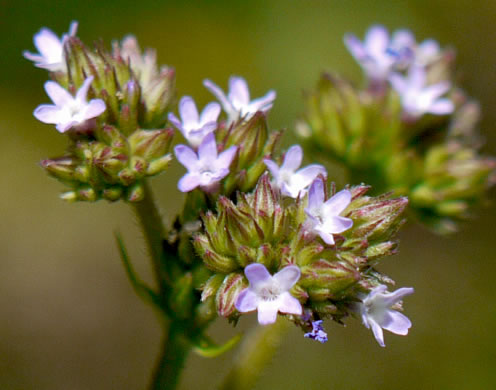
x=257, y=232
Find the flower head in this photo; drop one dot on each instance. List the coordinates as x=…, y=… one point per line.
x=68, y=111
x=237, y=103
x=269, y=294
x=291, y=182
x=51, y=49
x=323, y=216
x=206, y=168
x=317, y=333
x=195, y=127
x=417, y=98
x=377, y=314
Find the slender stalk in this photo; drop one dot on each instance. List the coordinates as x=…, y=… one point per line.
x=255, y=353
x=154, y=234
x=175, y=349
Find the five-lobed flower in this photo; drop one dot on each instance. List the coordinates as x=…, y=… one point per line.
x=206, y=168
x=237, y=103
x=50, y=48
x=68, y=111
x=417, y=98
x=377, y=313
x=269, y=294
x=324, y=216
x=291, y=182
x=195, y=127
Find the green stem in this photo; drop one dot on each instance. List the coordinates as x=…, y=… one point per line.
x=154, y=234
x=175, y=349
x=255, y=353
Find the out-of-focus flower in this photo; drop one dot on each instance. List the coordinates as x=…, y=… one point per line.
x=195, y=127
x=377, y=313
x=378, y=55
x=206, y=168
x=286, y=177
x=417, y=98
x=323, y=217
x=237, y=103
x=50, y=48
x=68, y=111
x=317, y=333
x=269, y=294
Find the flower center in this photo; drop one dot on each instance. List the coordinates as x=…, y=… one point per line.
x=270, y=292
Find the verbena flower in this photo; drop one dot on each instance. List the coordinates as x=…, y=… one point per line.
x=269, y=294
x=378, y=55
x=237, y=103
x=317, y=333
x=417, y=98
x=195, y=127
x=377, y=313
x=206, y=168
x=68, y=111
x=323, y=216
x=415, y=53
x=51, y=49
x=286, y=177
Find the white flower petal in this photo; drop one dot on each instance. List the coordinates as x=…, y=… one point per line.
x=442, y=107
x=59, y=95
x=378, y=334
x=207, y=152
x=315, y=195
x=247, y=301
x=257, y=274
x=338, y=203
x=219, y=94
x=48, y=44
x=210, y=113
x=188, y=112
x=289, y=304
x=225, y=158
x=288, y=276
x=267, y=312
x=396, y=322
x=47, y=113
x=273, y=168
x=188, y=182
x=187, y=157
x=263, y=103
x=239, y=94
x=83, y=90
x=95, y=108
x=292, y=159
x=377, y=40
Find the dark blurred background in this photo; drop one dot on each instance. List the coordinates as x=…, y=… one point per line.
x=68, y=317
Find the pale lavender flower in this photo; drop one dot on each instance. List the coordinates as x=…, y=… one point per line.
x=68, y=111
x=237, y=103
x=323, y=217
x=411, y=53
x=378, y=55
x=377, y=313
x=206, y=168
x=317, y=333
x=417, y=98
x=269, y=294
x=195, y=127
x=286, y=177
x=51, y=49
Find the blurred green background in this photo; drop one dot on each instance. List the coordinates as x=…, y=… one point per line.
x=68, y=317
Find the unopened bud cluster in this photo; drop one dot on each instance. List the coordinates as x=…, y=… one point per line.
x=411, y=130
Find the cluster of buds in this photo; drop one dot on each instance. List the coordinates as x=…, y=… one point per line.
x=400, y=133
x=119, y=137
x=265, y=233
